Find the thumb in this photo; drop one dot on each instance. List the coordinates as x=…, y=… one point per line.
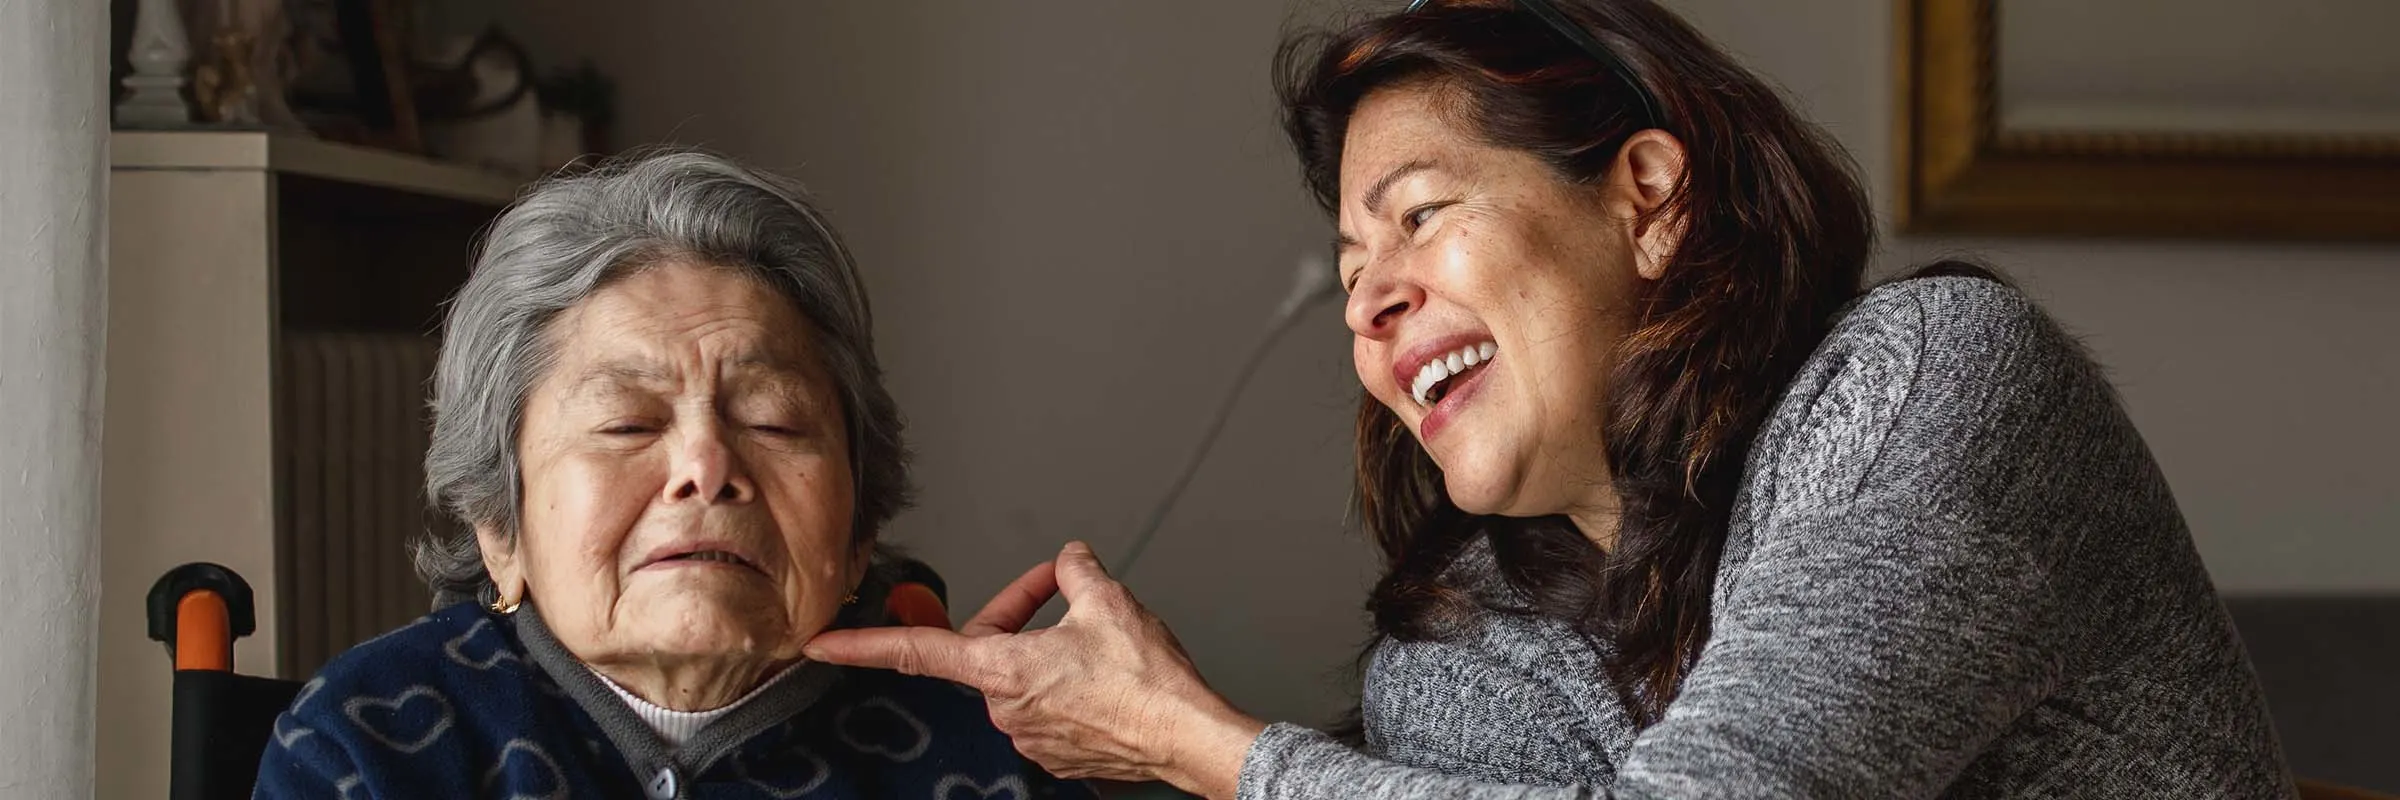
x=1080, y=574
x=932, y=652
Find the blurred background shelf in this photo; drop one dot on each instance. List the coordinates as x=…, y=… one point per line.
x=314, y=158
x=272, y=312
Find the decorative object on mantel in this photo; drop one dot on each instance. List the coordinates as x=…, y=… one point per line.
x=580, y=108
x=475, y=94
x=239, y=82
x=273, y=67
x=350, y=72
x=236, y=76
x=222, y=87
x=480, y=104
x=2256, y=161
x=159, y=52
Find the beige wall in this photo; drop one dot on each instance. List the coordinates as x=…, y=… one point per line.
x=2264, y=375
x=1073, y=214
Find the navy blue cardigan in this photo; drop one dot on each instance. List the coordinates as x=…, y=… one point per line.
x=468, y=702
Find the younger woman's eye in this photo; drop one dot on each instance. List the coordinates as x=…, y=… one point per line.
x=1417, y=217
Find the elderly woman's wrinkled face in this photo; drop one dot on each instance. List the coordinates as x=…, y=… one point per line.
x=687, y=481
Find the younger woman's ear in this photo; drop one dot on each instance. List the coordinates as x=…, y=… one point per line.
x=1648, y=170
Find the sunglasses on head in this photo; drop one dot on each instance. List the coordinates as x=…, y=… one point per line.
x=1576, y=35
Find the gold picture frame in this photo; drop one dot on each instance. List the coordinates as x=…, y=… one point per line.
x=1961, y=172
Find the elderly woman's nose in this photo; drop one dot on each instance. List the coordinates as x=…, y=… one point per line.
x=707, y=468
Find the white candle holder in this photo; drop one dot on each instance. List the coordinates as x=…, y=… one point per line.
x=159, y=53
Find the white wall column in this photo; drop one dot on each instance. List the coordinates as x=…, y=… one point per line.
x=53, y=280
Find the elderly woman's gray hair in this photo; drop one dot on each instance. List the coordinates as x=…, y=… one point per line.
x=569, y=237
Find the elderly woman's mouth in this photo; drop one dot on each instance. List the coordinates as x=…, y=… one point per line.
x=707, y=557
x=713, y=556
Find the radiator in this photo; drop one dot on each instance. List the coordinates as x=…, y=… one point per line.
x=351, y=433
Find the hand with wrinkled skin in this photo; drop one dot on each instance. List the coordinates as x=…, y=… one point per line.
x=1106, y=693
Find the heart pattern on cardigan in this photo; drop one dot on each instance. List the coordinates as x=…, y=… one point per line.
x=474, y=638
x=963, y=787
x=521, y=762
x=818, y=773
x=881, y=727
x=400, y=724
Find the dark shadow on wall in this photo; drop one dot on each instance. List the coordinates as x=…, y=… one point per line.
x=2330, y=665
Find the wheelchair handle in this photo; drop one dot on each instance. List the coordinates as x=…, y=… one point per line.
x=197, y=610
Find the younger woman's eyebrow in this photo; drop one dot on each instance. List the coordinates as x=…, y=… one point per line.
x=1377, y=191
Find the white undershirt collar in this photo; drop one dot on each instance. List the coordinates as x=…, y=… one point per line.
x=678, y=727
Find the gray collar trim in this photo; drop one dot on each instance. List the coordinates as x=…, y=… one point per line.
x=642, y=747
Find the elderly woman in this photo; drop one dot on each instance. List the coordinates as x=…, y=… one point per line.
x=659, y=411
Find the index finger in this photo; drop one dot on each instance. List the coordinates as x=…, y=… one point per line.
x=932, y=652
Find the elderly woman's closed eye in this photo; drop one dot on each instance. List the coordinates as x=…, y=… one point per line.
x=659, y=415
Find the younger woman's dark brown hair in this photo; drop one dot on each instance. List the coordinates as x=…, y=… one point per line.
x=1776, y=234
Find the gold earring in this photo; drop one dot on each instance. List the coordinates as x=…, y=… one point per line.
x=851, y=600
x=506, y=606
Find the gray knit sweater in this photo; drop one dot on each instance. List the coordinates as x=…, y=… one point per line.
x=1953, y=571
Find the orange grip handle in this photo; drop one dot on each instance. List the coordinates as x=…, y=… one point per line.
x=915, y=605
x=203, y=632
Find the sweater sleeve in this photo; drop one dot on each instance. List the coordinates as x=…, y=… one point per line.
x=1907, y=595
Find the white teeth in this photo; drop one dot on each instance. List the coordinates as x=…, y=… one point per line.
x=1444, y=367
